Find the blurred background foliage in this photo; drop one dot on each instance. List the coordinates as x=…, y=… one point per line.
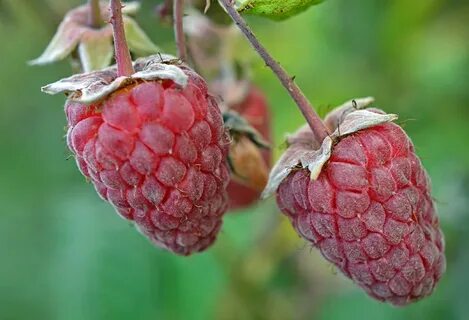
x=64, y=254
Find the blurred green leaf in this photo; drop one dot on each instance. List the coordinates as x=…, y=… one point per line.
x=274, y=9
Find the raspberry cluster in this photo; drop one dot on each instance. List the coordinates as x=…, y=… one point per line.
x=157, y=152
x=371, y=214
x=153, y=142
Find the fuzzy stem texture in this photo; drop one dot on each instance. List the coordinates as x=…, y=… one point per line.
x=314, y=121
x=94, y=19
x=122, y=53
x=178, y=11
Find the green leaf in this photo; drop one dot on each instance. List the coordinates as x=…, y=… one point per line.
x=274, y=9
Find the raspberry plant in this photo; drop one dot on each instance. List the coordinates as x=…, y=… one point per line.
x=162, y=145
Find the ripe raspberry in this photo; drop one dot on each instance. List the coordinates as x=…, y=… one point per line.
x=371, y=214
x=256, y=111
x=157, y=153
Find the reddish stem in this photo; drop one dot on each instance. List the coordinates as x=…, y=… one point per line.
x=178, y=12
x=94, y=19
x=122, y=53
x=314, y=121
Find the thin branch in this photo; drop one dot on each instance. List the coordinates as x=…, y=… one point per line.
x=178, y=12
x=95, y=19
x=122, y=53
x=314, y=121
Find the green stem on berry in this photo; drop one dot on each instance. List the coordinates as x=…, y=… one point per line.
x=314, y=121
x=122, y=53
x=94, y=19
x=178, y=12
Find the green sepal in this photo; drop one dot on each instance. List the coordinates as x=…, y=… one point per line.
x=95, y=52
x=137, y=39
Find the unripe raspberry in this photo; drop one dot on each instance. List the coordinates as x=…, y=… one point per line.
x=255, y=110
x=363, y=199
x=157, y=152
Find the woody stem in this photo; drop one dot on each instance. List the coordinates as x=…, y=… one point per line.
x=313, y=119
x=122, y=53
x=178, y=12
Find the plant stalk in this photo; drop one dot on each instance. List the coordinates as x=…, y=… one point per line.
x=122, y=53
x=94, y=20
x=312, y=118
x=178, y=12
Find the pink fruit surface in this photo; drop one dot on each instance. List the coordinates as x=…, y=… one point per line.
x=157, y=152
x=371, y=214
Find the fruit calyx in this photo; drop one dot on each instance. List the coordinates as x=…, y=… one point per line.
x=94, y=86
x=305, y=151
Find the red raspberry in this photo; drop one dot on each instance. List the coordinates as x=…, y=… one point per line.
x=371, y=214
x=157, y=153
x=255, y=110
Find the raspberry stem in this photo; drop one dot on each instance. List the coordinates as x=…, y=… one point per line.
x=122, y=53
x=314, y=121
x=178, y=12
x=94, y=18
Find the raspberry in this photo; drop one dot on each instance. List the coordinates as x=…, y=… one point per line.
x=371, y=214
x=157, y=153
x=256, y=111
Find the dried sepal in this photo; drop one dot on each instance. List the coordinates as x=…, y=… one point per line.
x=62, y=44
x=238, y=126
x=74, y=32
x=93, y=86
x=337, y=115
x=137, y=40
x=304, y=151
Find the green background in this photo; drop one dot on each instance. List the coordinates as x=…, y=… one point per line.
x=64, y=254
